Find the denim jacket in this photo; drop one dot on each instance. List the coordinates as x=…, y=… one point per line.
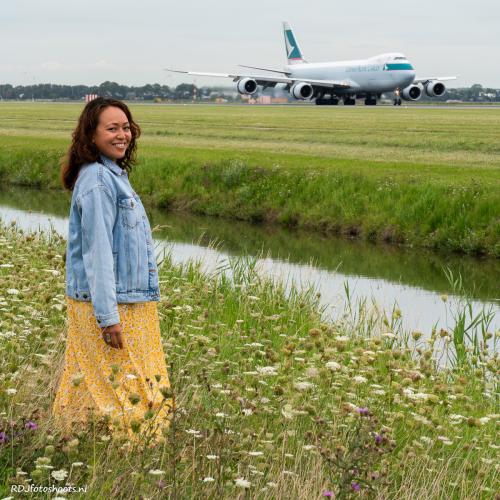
x=110, y=257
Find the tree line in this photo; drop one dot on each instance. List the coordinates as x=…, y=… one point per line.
x=187, y=92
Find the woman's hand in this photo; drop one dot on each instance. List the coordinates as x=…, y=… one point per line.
x=112, y=335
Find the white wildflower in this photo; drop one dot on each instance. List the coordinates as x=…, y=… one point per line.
x=208, y=479
x=156, y=472
x=242, y=483
x=59, y=475
x=333, y=366
x=11, y=391
x=255, y=453
x=303, y=386
x=359, y=379
x=267, y=370
x=287, y=411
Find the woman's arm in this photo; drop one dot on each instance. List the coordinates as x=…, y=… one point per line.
x=98, y=213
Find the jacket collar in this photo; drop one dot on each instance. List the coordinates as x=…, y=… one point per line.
x=112, y=165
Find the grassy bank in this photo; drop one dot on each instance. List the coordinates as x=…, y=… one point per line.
x=414, y=176
x=272, y=403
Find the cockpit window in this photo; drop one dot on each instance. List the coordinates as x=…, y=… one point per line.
x=400, y=58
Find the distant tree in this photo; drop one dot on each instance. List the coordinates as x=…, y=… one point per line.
x=186, y=91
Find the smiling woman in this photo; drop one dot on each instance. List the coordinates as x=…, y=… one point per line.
x=114, y=360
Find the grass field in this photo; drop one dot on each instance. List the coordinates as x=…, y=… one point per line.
x=426, y=177
x=271, y=402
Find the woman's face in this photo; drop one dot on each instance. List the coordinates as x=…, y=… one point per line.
x=113, y=135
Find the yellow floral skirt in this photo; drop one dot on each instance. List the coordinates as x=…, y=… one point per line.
x=129, y=387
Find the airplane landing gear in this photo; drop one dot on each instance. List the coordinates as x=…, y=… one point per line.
x=370, y=101
x=328, y=102
x=349, y=101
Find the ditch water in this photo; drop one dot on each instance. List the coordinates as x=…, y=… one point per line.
x=412, y=280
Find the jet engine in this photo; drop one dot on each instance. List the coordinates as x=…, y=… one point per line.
x=302, y=90
x=247, y=86
x=435, y=88
x=412, y=93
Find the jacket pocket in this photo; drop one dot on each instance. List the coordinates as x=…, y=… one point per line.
x=130, y=213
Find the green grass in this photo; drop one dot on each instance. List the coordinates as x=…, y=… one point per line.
x=266, y=392
x=423, y=177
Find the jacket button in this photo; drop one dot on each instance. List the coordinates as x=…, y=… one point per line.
x=76, y=295
x=84, y=295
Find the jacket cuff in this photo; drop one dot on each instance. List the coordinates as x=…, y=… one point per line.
x=104, y=320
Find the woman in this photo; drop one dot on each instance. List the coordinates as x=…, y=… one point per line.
x=114, y=362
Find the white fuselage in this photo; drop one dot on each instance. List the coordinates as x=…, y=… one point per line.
x=383, y=73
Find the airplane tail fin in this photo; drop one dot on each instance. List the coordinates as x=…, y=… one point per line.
x=293, y=52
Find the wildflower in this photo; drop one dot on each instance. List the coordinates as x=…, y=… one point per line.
x=445, y=440
x=359, y=379
x=13, y=291
x=363, y=411
x=31, y=425
x=356, y=486
x=312, y=372
x=333, y=366
x=255, y=453
x=267, y=370
x=378, y=439
x=156, y=472
x=77, y=379
x=3, y=437
x=328, y=494
x=134, y=398
x=287, y=411
x=212, y=457
x=242, y=483
x=11, y=391
x=77, y=464
x=59, y=475
x=247, y=412
x=208, y=479
x=303, y=386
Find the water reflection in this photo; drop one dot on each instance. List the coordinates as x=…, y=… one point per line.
x=414, y=279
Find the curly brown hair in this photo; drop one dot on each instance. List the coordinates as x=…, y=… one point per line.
x=83, y=150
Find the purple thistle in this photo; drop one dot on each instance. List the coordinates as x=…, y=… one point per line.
x=356, y=486
x=378, y=439
x=161, y=484
x=362, y=410
x=33, y=426
x=328, y=494
x=3, y=437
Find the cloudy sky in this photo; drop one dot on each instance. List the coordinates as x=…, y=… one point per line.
x=131, y=41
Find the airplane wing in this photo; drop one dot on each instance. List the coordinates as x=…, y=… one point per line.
x=271, y=81
x=430, y=78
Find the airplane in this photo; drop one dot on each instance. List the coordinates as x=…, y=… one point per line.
x=329, y=82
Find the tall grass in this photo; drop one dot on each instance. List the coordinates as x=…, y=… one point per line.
x=271, y=401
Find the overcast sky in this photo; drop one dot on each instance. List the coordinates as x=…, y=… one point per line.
x=131, y=41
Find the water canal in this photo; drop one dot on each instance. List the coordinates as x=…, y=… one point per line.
x=412, y=280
